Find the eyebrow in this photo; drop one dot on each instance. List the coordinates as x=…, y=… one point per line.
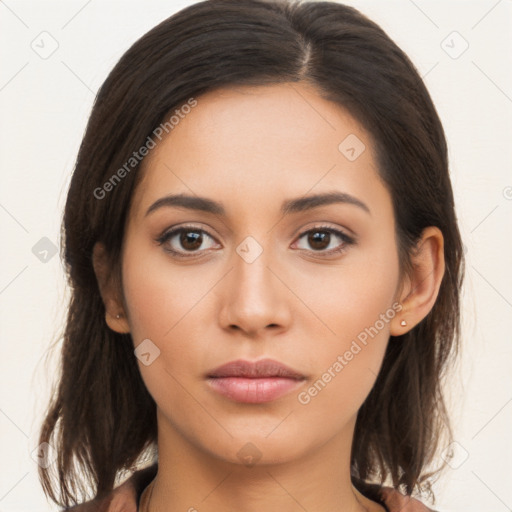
x=289, y=206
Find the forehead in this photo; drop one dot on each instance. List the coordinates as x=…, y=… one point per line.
x=247, y=142
x=260, y=119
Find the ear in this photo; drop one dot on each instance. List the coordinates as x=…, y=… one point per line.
x=115, y=315
x=419, y=292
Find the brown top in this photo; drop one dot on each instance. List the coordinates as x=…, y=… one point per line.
x=130, y=496
x=144, y=498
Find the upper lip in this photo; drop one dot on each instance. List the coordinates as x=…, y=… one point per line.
x=256, y=369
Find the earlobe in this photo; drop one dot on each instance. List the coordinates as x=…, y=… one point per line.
x=423, y=285
x=115, y=316
x=116, y=319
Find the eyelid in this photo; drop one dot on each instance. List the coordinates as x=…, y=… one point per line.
x=327, y=225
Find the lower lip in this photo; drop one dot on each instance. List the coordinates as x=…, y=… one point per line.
x=253, y=391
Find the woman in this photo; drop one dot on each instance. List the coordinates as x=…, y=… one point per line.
x=265, y=265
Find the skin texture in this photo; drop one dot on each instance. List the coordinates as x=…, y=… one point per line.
x=251, y=148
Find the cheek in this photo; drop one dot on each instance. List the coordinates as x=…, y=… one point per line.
x=347, y=363
x=165, y=306
x=355, y=294
x=159, y=298
x=349, y=331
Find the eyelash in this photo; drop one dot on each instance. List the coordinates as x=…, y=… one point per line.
x=348, y=240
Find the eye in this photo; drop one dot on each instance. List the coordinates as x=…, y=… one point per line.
x=189, y=239
x=322, y=237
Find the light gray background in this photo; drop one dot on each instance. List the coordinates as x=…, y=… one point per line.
x=45, y=101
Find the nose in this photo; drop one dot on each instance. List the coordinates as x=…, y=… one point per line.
x=254, y=297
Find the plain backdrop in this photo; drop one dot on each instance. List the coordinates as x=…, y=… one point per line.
x=54, y=57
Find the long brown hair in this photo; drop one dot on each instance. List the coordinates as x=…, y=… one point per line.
x=101, y=419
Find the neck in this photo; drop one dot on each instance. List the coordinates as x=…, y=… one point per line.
x=192, y=479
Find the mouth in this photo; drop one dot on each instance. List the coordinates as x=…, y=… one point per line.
x=254, y=382
x=264, y=368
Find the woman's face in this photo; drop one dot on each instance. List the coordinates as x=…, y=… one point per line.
x=249, y=282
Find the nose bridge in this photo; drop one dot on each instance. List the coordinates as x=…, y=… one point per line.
x=254, y=298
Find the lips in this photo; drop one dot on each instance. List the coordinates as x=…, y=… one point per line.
x=254, y=382
x=264, y=368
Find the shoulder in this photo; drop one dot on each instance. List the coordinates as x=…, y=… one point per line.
x=390, y=498
x=118, y=500
x=124, y=498
x=397, y=502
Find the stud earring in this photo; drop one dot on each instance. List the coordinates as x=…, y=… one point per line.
x=118, y=316
x=403, y=323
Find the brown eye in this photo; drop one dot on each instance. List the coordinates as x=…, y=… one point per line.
x=181, y=241
x=190, y=240
x=319, y=239
x=322, y=240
